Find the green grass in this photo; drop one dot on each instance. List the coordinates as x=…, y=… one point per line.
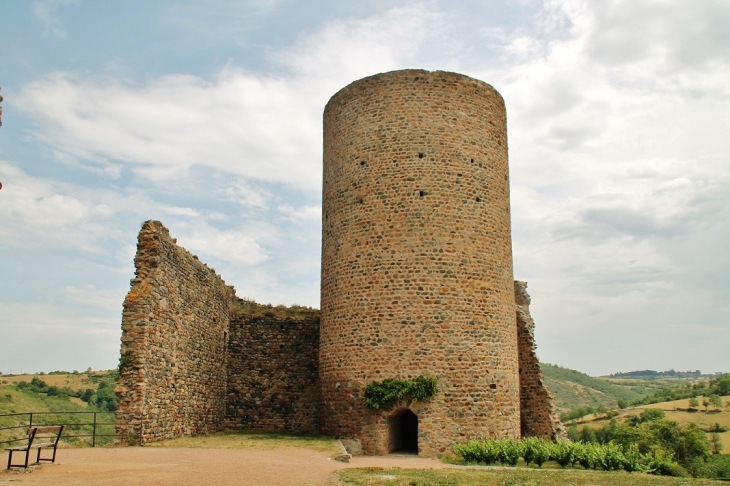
x=674, y=410
x=14, y=401
x=505, y=477
x=251, y=440
x=572, y=389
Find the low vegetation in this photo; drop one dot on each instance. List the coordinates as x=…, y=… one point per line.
x=657, y=447
x=249, y=308
x=44, y=394
x=501, y=477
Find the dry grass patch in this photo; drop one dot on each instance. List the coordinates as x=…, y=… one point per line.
x=505, y=477
x=78, y=381
x=251, y=440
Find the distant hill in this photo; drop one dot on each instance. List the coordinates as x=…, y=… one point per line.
x=572, y=389
x=654, y=375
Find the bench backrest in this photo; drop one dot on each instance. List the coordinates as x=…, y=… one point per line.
x=46, y=434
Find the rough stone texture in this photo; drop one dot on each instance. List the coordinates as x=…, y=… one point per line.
x=273, y=363
x=417, y=258
x=174, y=328
x=539, y=414
x=416, y=280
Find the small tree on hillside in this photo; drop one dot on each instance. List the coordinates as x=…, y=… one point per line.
x=706, y=403
x=715, y=444
x=716, y=401
x=694, y=403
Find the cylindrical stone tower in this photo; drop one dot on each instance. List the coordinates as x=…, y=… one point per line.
x=417, y=261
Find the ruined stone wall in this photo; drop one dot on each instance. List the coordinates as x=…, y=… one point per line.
x=538, y=411
x=273, y=366
x=174, y=327
x=417, y=257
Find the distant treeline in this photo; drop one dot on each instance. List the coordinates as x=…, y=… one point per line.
x=651, y=374
x=719, y=386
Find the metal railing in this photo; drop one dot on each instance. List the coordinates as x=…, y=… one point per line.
x=76, y=430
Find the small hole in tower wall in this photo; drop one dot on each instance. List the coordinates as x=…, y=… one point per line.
x=479, y=199
x=493, y=386
x=420, y=155
x=363, y=163
x=421, y=193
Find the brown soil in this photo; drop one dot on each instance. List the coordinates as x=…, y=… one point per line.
x=160, y=466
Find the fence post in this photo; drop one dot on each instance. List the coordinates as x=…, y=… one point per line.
x=93, y=433
x=30, y=421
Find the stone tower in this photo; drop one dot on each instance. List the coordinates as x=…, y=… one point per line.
x=417, y=261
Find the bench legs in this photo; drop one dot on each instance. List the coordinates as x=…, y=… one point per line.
x=51, y=460
x=38, y=460
x=10, y=458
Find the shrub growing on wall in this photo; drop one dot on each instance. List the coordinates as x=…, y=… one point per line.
x=385, y=394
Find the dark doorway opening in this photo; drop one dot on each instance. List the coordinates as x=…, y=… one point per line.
x=403, y=432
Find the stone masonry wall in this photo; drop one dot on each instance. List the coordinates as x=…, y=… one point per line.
x=173, y=354
x=273, y=366
x=539, y=416
x=417, y=258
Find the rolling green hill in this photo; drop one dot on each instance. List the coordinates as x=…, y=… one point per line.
x=79, y=393
x=572, y=389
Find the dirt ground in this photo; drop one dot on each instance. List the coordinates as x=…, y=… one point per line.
x=163, y=466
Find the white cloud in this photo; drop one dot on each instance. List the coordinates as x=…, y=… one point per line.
x=179, y=211
x=93, y=296
x=246, y=194
x=301, y=214
x=31, y=206
x=343, y=51
x=258, y=126
x=618, y=155
x=239, y=247
x=261, y=128
x=47, y=12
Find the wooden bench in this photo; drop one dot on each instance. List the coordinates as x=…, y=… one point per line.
x=38, y=438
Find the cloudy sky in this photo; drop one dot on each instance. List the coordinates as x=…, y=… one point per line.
x=207, y=116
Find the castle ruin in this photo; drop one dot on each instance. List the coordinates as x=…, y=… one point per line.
x=416, y=281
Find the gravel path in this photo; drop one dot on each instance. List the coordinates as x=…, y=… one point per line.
x=163, y=466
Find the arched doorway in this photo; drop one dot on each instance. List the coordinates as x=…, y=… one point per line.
x=403, y=431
